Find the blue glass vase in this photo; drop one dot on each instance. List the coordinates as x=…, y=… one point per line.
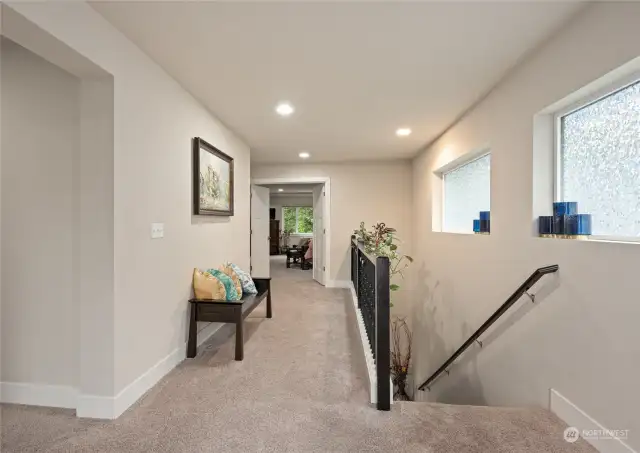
x=565, y=208
x=584, y=224
x=545, y=225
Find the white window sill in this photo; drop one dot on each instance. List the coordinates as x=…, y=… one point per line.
x=599, y=239
x=461, y=233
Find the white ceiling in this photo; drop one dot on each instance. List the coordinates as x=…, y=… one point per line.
x=354, y=72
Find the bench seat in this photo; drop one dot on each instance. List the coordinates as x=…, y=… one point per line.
x=210, y=310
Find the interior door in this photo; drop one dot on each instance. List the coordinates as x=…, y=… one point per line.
x=318, y=234
x=259, y=231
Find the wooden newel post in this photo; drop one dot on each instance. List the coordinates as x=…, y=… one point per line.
x=383, y=349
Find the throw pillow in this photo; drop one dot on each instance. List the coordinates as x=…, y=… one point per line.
x=228, y=270
x=248, y=287
x=206, y=286
x=232, y=293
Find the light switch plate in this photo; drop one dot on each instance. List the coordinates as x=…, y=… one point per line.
x=157, y=230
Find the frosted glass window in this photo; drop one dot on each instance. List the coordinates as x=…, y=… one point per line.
x=600, y=162
x=467, y=191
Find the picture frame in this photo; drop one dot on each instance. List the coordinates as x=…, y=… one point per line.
x=212, y=180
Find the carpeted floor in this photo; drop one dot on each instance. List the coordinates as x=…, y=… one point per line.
x=299, y=389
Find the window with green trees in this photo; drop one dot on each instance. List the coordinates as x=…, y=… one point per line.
x=298, y=220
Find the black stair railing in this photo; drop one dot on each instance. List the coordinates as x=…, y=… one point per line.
x=522, y=290
x=370, y=278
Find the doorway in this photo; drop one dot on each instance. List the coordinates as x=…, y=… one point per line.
x=300, y=208
x=57, y=239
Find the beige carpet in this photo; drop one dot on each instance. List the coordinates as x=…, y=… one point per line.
x=299, y=389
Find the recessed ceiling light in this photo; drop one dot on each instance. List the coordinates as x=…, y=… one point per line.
x=284, y=109
x=403, y=132
x=280, y=190
x=304, y=155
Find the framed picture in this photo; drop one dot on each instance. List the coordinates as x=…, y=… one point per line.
x=212, y=180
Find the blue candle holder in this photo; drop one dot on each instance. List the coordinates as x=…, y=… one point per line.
x=476, y=225
x=485, y=222
x=565, y=223
x=565, y=208
x=558, y=226
x=545, y=225
x=584, y=224
x=571, y=225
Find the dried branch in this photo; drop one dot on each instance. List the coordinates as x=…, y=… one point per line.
x=400, y=357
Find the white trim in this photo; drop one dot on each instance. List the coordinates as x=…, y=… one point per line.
x=573, y=416
x=598, y=93
x=366, y=349
x=38, y=394
x=105, y=407
x=327, y=209
x=92, y=406
x=464, y=159
x=346, y=284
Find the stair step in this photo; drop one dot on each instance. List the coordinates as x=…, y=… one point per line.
x=490, y=428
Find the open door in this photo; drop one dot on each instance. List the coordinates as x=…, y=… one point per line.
x=318, y=234
x=259, y=231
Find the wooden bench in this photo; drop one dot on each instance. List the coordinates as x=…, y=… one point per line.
x=208, y=310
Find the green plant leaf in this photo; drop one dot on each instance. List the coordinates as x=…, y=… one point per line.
x=394, y=287
x=409, y=258
x=393, y=247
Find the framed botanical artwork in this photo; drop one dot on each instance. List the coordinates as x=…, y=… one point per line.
x=212, y=180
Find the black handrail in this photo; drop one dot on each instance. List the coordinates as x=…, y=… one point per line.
x=532, y=280
x=370, y=277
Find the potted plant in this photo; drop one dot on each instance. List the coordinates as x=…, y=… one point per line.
x=382, y=241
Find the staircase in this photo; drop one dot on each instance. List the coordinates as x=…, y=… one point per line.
x=444, y=428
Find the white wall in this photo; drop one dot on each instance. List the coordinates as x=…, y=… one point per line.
x=581, y=337
x=40, y=145
x=154, y=121
x=369, y=192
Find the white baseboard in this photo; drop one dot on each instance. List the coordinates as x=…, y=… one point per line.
x=104, y=407
x=573, y=416
x=346, y=284
x=38, y=394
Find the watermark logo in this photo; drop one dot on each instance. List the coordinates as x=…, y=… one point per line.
x=572, y=434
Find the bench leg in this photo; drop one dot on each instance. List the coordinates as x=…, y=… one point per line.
x=239, y=341
x=269, y=314
x=192, y=343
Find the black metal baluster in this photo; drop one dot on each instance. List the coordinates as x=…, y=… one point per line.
x=371, y=282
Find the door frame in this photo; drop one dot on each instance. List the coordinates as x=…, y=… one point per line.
x=327, y=212
x=255, y=230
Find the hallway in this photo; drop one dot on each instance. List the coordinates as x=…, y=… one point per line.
x=299, y=389
x=282, y=275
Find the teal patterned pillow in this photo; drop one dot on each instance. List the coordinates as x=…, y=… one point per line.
x=248, y=287
x=232, y=292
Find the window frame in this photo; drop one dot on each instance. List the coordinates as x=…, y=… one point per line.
x=466, y=160
x=297, y=208
x=619, y=84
